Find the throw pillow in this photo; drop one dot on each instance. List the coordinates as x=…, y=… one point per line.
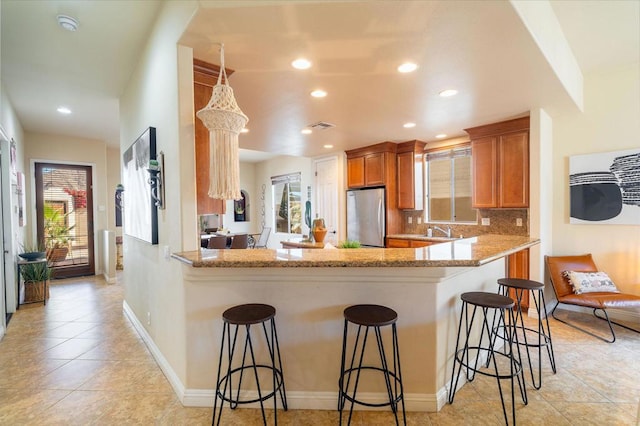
x=590, y=282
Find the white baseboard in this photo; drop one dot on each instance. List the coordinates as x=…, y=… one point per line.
x=108, y=279
x=297, y=400
x=1, y=331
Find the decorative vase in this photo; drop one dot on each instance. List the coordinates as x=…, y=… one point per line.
x=319, y=234
x=319, y=230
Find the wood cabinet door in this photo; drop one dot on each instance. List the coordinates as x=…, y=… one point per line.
x=355, y=172
x=514, y=170
x=405, y=182
x=484, y=154
x=398, y=243
x=374, y=169
x=419, y=243
x=519, y=268
x=206, y=204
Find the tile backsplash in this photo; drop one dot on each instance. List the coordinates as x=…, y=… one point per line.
x=501, y=221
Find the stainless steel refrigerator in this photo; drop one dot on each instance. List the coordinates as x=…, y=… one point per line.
x=366, y=216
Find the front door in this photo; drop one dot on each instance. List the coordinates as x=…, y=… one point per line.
x=64, y=210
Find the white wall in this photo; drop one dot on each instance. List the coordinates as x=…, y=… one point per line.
x=159, y=94
x=610, y=122
x=280, y=166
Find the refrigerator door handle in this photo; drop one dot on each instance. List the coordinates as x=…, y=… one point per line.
x=380, y=224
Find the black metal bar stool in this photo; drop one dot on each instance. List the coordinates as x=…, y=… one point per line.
x=543, y=333
x=500, y=305
x=248, y=315
x=371, y=316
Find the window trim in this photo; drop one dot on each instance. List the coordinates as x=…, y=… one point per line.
x=446, y=152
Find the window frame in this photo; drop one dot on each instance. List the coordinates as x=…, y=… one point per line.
x=452, y=152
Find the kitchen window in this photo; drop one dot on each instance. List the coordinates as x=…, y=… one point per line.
x=287, y=203
x=448, y=183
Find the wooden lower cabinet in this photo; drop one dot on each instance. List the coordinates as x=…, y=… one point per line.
x=406, y=243
x=518, y=267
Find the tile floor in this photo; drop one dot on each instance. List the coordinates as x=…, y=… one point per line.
x=78, y=361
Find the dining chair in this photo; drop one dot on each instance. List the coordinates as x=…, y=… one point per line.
x=263, y=239
x=240, y=241
x=217, y=242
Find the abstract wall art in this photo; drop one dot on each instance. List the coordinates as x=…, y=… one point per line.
x=605, y=188
x=140, y=212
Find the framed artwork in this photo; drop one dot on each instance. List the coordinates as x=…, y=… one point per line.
x=20, y=191
x=605, y=188
x=141, y=214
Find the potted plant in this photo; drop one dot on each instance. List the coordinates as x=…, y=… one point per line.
x=349, y=244
x=56, y=232
x=35, y=277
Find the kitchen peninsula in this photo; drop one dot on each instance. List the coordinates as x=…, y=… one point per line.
x=311, y=288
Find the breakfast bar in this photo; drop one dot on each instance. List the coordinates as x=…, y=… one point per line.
x=310, y=289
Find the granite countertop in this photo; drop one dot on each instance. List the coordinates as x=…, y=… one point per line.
x=473, y=251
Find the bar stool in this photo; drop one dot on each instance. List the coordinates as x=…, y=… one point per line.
x=248, y=315
x=371, y=316
x=543, y=332
x=499, y=304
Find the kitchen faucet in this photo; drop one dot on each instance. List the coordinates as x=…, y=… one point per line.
x=446, y=232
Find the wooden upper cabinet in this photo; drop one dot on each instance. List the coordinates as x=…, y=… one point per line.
x=355, y=172
x=204, y=78
x=484, y=153
x=374, y=169
x=370, y=166
x=514, y=170
x=410, y=175
x=500, y=159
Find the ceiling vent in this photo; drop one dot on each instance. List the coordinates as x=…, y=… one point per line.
x=321, y=125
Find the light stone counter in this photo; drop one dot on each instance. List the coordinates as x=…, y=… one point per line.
x=474, y=251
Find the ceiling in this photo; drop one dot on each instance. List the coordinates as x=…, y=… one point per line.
x=482, y=49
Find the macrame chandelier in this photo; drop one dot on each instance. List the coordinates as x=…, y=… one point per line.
x=225, y=120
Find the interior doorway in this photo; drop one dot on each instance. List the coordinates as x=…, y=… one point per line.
x=64, y=214
x=326, y=183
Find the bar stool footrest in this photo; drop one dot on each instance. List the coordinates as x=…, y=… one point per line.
x=398, y=398
x=221, y=383
x=478, y=370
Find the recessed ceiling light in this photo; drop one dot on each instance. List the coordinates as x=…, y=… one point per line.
x=441, y=136
x=64, y=110
x=327, y=146
x=244, y=130
x=448, y=92
x=407, y=67
x=67, y=22
x=319, y=93
x=301, y=64
x=409, y=125
x=306, y=131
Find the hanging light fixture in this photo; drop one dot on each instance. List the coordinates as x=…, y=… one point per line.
x=225, y=120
